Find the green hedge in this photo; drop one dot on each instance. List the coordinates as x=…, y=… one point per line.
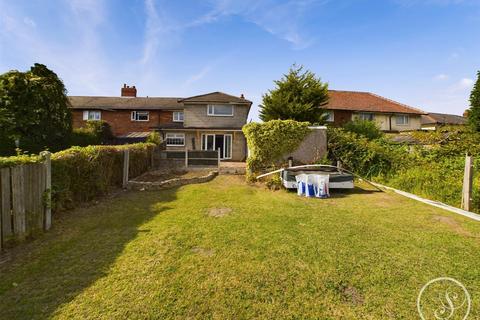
x=269, y=141
x=81, y=174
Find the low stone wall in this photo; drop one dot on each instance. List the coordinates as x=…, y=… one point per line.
x=171, y=183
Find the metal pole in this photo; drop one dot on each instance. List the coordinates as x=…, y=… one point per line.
x=467, y=183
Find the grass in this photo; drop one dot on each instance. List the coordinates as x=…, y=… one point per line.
x=226, y=250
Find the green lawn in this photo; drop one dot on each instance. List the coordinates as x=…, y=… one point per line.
x=226, y=250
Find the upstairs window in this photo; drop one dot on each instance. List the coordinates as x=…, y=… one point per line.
x=92, y=115
x=329, y=116
x=401, y=119
x=175, y=139
x=178, y=116
x=220, y=110
x=140, y=116
x=366, y=116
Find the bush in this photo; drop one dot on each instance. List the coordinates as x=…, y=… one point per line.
x=17, y=160
x=81, y=174
x=269, y=141
x=368, y=129
x=93, y=133
x=368, y=158
x=154, y=137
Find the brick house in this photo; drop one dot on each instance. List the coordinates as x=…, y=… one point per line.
x=205, y=122
x=344, y=106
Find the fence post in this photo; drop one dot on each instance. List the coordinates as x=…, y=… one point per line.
x=218, y=158
x=152, y=159
x=467, y=183
x=186, y=158
x=48, y=189
x=126, y=159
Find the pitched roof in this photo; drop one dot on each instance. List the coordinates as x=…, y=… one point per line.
x=150, y=103
x=443, y=118
x=216, y=96
x=367, y=102
x=124, y=103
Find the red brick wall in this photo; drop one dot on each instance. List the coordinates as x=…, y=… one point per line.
x=121, y=123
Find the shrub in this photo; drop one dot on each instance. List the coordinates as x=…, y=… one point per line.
x=368, y=129
x=17, y=160
x=269, y=141
x=93, y=133
x=368, y=158
x=154, y=137
x=81, y=174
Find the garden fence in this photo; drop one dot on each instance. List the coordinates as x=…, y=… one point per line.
x=25, y=200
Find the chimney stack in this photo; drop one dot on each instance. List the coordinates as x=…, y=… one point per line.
x=465, y=113
x=128, y=91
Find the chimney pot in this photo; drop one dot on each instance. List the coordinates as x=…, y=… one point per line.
x=128, y=91
x=242, y=96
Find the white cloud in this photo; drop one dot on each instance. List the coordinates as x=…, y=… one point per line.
x=29, y=22
x=198, y=76
x=441, y=77
x=281, y=19
x=466, y=83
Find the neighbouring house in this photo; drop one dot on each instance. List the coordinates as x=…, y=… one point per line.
x=209, y=121
x=345, y=106
x=432, y=121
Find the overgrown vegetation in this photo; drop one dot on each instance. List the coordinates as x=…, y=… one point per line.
x=433, y=168
x=34, y=113
x=299, y=96
x=269, y=141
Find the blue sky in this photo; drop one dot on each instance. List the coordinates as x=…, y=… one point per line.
x=422, y=53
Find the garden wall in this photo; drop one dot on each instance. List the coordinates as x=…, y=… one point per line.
x=312, y=148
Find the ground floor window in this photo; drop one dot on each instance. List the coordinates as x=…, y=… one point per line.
x=329, y=116
x=401, y=119
x=92, y=115
x=222, y=142
x=175, y=139
x=366, y=116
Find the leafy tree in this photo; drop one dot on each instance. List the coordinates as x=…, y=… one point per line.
x=474, y=111
x=33, y=110
x=299, y=96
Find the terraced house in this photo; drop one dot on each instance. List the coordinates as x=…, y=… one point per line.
x=209, y=121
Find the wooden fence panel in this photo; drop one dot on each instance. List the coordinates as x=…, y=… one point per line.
x=18, y=201
x=34, y=187
x=5, y=212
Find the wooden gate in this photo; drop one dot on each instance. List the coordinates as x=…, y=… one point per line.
x=24, y=200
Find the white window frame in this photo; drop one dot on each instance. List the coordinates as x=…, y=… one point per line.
x=177, y=117
x=92, y=115
x=331, y=116
x=230, y=150
x=173, y=135
x=136, y=113
x=363, y=116
x=211, y=110
x=405, y=117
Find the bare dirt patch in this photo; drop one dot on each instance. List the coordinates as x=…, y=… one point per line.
x=162, y=175
x=203, y=251
x=219, y=212
x=453, y=224
x=352, y=295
